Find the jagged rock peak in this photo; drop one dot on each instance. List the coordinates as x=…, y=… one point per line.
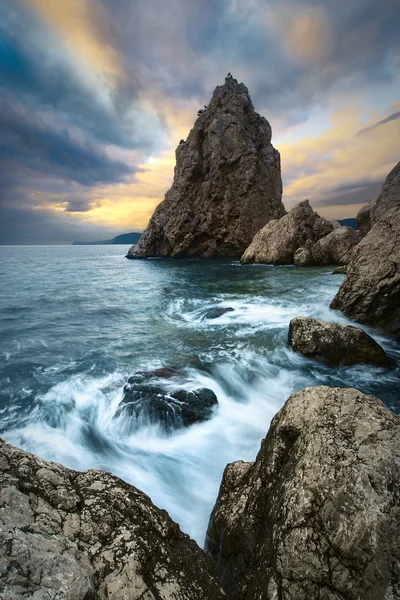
x=227, y=183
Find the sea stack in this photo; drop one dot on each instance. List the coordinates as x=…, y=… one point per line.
x=371, y=291
x=227, y=183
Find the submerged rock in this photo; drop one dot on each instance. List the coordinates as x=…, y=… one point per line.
x=218, y=311
x=335, y=344
x=147, y=399
x=316, y=515
x=371, y=291
x=90, y=536
x=278, y=241
x=227, y=183
x=336, y=248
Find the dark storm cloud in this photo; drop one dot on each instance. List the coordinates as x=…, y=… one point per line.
x=393, y=117
x=80, y=204
x=22, y=225
x=28, y=143
x=356, y=194
x=189, y=49
x=58, y=113
x=33, y=70
x=170, y=48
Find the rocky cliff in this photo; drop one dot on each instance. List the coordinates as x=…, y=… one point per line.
x=371, y=291
x=66, y=535
x=227, y=183
x=316, y=516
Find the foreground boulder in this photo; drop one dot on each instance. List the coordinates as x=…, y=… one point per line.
x=316, y=516
x=227, y=183
x=335, y=344
x=336, y=248
x=89, y=536
x=371, y=291
x=277, y=242
x=149, y=399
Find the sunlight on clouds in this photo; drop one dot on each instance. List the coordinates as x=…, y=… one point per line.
x=348, y=153
x=131, y=205
x=304, y=31
x=75, y=20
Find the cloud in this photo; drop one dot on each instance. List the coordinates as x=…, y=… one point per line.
x=96, y=90
x=341, y=168
x=356, y=195
x=43, y=68
x=392, y=117
x=23, y=225
x=28, y=143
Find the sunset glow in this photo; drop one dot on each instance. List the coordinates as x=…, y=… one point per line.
x=97, y=95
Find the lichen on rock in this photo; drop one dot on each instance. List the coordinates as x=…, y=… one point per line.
x=66, y=535
x=316, y=516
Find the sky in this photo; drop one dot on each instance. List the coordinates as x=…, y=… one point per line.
x=96, y=94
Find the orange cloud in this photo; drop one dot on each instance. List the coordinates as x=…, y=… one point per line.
x=75, y=21
x=351, y=151
x=304, y=31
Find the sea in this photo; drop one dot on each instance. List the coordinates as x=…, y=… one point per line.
x=77, y=321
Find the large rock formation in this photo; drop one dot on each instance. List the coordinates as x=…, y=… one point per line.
x=317, y=515
x=227, y=183
x=89, y=536
x=371, y=291
x=335, y=344
x=336, y=248
x=277, y=242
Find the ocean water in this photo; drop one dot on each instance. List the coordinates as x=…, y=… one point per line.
x=76, y=322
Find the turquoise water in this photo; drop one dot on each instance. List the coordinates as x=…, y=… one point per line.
x=77, y=321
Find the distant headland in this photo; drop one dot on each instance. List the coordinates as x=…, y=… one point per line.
x=124, y=238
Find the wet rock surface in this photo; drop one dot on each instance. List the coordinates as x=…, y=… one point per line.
x=277, y=242
x=371, y=291
x=336, y=248
x=342, y=270
x=227, y=183
x=66, y=535
x=150, y=398
x=316, y=516
x=335, y=344
x=218, y=311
